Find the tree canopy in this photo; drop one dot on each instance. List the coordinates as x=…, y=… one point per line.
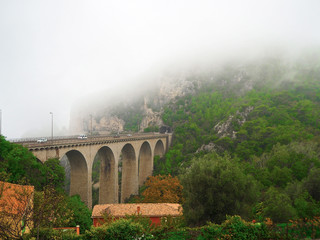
x=214, y=186
x=161, y=189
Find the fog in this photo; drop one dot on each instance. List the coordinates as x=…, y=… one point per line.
x=54, y=54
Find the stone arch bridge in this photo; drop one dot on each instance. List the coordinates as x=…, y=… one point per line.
x=133, y=154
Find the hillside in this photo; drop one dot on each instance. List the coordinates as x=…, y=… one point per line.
x=246, y=126
x=244, y=106
x=246, y=111
x=247, y=142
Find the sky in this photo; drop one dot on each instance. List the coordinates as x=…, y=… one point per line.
x=55, y=53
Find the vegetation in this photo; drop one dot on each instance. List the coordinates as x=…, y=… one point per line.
x=215, y=186
x=234, y=227
x=81, y=215
x=152, y=129
x=120, y=229
x=131, y=114
x=267, y=134
x=19, y=165
x=161, y=189
x=246, y=150
x=52, y=208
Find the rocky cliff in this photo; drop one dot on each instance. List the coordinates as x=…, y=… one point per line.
x=141, y=106
x=134, y=113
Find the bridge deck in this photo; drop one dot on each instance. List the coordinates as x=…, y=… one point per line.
x=91, y=140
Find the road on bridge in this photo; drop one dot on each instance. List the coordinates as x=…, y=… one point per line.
x=32, y=142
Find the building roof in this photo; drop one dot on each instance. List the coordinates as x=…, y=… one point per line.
x=14, y=198
x=145, y=209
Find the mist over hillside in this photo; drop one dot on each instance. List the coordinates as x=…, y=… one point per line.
x=256, y=116
x=140, y=106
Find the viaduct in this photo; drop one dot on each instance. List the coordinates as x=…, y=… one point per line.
x=132, y=154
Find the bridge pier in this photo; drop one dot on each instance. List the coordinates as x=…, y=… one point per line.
x=79, y=176
x=129, y=179
x=108, y=184
x=145, y=163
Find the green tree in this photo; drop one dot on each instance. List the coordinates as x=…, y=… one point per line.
x=50, y=209
x=120, y=229
x=20, y=165
x=277, y=206
x=306, y=206
x=81, y=215
x=312, y=183
x=54, y=173
x=215, y=186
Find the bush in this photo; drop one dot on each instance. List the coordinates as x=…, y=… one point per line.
x=215, y=186
x=277, y=206
x=120, y=229
x=50, y=233
x=170, y=228
x=145, y=222
x=81, y=213
x=234, y=228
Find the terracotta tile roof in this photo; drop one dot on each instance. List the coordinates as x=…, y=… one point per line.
x=145, y=209
x=14, y=198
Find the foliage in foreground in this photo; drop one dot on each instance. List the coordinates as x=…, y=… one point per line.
x=161, y=189
x=19, y=165
x=234, y=227
x=81, y=215
x=215, y=186
x=120, y=229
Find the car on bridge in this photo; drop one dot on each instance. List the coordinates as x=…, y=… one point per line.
x=82, y=136
x=42, y=140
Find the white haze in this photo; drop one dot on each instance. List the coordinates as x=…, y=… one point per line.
x=55, y=52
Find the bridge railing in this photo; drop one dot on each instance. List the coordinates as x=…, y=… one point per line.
x=31, y=139
x=34, y=139
x=28, y=142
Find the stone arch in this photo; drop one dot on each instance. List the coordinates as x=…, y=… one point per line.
x=107, y=179
x=145, y=163
x=159, y=149
x=78, y=175
x=129, y=173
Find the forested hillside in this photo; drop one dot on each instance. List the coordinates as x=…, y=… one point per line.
x=263, y=119
x=247, y=111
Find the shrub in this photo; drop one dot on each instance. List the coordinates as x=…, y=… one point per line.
x=120, y=229
x=234, y=228
x=145, y=222
x=50, y=234
x=170, y=228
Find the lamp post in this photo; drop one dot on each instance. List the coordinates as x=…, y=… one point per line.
x=91, y=125
x=0, y=120
x=51, y=126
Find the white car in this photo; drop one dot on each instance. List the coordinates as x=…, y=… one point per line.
x=82, y=136
x=42, y=140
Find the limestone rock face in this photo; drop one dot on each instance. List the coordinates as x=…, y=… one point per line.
x=143, y=103
x=111, y=117
x=150, y=118
x=109, y=124
x=225, y=129
x=210, y=147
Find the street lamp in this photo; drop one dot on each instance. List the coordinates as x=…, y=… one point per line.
x=91, y=125
x=0, y=120
x=51, y=126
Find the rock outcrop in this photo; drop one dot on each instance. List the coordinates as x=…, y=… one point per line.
x=226, y=129
x=108, y=119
